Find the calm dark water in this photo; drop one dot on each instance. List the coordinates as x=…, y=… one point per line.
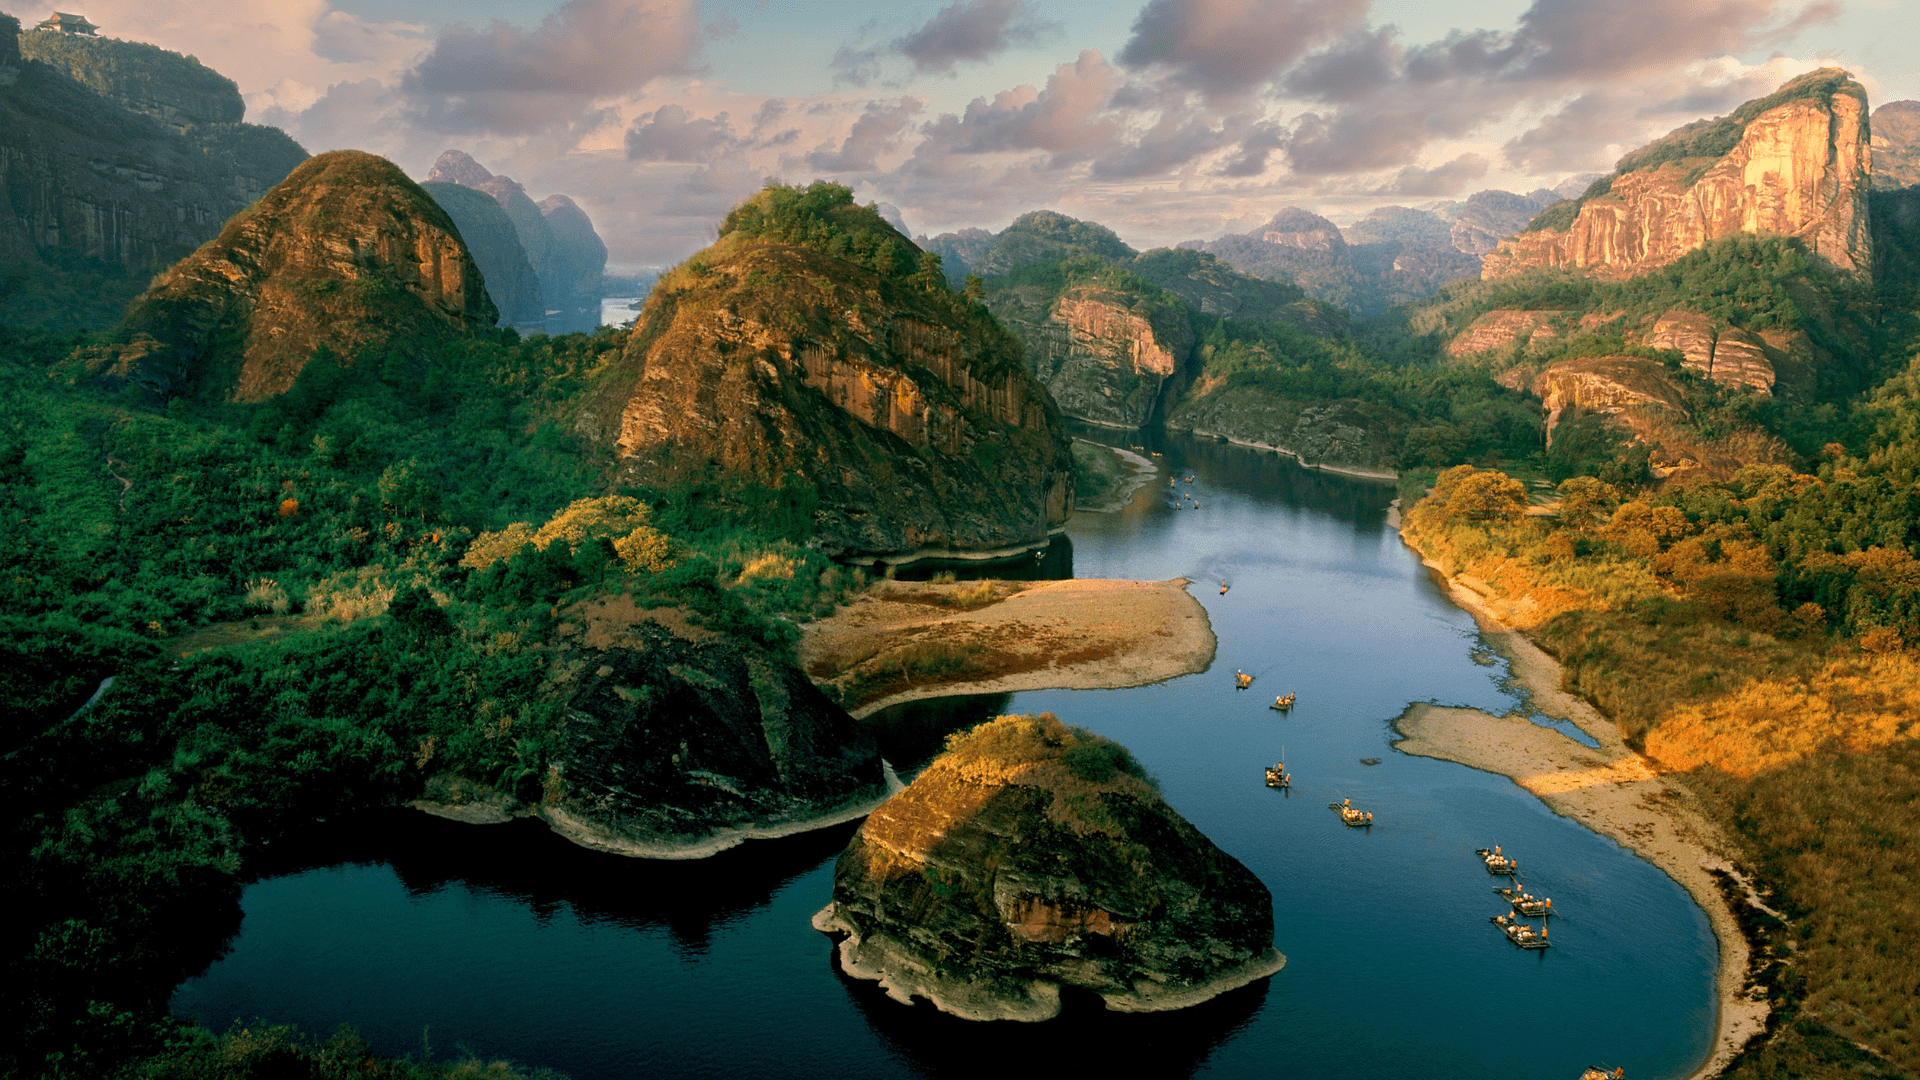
x=507, y=942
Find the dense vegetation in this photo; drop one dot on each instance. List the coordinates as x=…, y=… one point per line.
x=305, y=605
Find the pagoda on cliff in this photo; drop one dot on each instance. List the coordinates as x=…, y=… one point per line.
x=69, y=24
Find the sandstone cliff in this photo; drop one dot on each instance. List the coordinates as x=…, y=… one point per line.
x=495, y=245
x=560, y=242
x=1105, y=352
x=807, y=347
x=1033, y=856
x=346, y=252
x=116, y=159
x=1641, y=400
x=1796, y=164
x=1896, y=145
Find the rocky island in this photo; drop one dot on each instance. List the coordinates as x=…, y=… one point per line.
x=1031, y=857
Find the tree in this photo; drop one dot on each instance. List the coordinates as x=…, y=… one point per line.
x=1583, y=498
x=1471, y=494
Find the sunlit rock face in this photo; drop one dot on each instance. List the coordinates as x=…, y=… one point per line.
x=1031, y=857
x=1104, y=353
x=908, y=411
x=1797, y=168
x=346, y=253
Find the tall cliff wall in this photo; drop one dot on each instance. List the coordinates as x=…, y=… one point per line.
x=1104, y=353
x=1793, y=164
x=176, y=90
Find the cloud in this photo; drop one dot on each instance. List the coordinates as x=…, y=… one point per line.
x=1068, y=120
x=509, y=79
x=1226, y=48
x=667, y=134
x=1448, y=179
x=970, y=31
x=873, y=134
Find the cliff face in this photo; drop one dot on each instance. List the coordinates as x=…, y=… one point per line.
x=906, y=408
x=495, y=246
x=1896, y=144
x=120, y=184
x=1798, y=165
x=176, y=90
x=1032, y=856
x=1642, y=402
x=560, y=243
x=1104, y=353
x=346, y=252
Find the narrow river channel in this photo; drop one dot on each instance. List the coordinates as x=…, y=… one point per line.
x=507, y=942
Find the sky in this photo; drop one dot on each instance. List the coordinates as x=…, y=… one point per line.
x=1165, y=120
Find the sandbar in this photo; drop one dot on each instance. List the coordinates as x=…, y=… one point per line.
x=887, y=646
x=1611, y=790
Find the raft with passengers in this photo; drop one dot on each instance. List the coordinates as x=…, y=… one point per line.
x=1498, y=864
x=1282, y=703
x=1352, y=816
x=1521, y=933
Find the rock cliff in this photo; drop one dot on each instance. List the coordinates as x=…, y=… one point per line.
x=1030, y=857
x=116, y=159
x=1641, y=400
x=1104, y=352
x=1896, y=144
x=566, y=254
x=346, y=252
x=807, y=346
x=1795, y=163
x=495, y=246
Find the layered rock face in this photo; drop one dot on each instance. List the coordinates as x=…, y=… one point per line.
x=1303, y=229
x=907, y=409
x=176, y=90
x=495, y=246
x=1033, y=856
x=1502, y=331
x=122, y=156
x=1798, y=167
x=1105, y=354
x=346, y=252
x=1644, y=403
x=560, y=243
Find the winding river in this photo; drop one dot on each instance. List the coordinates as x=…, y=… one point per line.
x=439, y=939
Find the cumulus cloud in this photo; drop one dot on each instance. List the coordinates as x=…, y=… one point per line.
x=876, y=132
x=1231, y=47
x=971, y=31
x=510, y=79
x=1450, y=178
x=1068, y=120
x=670, y=134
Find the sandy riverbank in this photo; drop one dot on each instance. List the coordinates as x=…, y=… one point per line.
x=1611, y=790
x=1141, y=471
x=903, y=641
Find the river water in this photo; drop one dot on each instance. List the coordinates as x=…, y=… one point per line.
x=436, y=939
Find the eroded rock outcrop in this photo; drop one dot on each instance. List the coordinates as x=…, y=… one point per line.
x=346, y=252
x=176, y=90
x=908, y=409
x=1793, y=164
x=1032, y=856
x=679, y=743
x=1105, y=354
x=1643, y=402
x=1504, y=329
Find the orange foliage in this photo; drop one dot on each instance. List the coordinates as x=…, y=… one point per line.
x=289, y=507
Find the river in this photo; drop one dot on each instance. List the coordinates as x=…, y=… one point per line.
x=507, y=942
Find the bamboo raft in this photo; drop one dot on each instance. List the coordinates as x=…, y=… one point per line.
x=1277, y=776
x=1241, y=680
x=1601, y=1072
x=1282, y=703
x=1521, y=934
x=1525, y=903
x=1498, y=864
x=1350, y=815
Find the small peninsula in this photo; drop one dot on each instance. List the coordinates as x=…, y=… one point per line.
x=903, y=641
x=1033, y=856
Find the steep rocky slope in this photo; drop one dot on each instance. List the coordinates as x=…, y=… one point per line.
x=806, y=346
x=115, y=160
x=346, y=252
x=679, y=743
x=1795, y=163
x=495, y=246
x=565, y=252
x=1105, y=351
x=1896, y=144
x=1032, y=856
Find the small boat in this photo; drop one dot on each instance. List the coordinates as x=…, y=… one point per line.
x=1525, y=903
x=1497, y=863
x=1351, y=816
x=1283, y=702
x=1241, y=680
x=1277, y=776
x=1601, y=1072
x=1223, y=588
x=1520, y=933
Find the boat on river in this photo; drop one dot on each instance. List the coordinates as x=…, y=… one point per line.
x=1497, y=863
x=1521, y=933
x=1278, y=777
x=1350, y=815
x=1241, y=680
x=1282, y=703
x=1601, y=1072
x=1525, y=903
